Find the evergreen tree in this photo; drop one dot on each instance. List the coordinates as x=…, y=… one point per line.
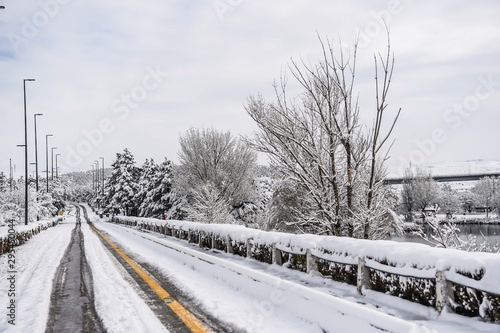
x=3, y=182
x=148, y=170
x=158, y=199
x=178, y=209
x=123, y=184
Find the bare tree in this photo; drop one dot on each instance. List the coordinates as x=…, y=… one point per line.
x=317, y=139
x=219, y=165
x=420, y=191
x=449, y=201
x=485, y=193
x=407, y=195
x=208, y=206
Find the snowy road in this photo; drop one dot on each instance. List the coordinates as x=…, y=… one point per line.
x=72, y=307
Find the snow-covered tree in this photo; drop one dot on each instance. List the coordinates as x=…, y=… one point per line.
x=217, y=164
x=208, y=205
x=123, y=183
x=466, y=200
x=287, y=207
x=420, y=191
x=148, y=169
x=12, y=203
x=10, y=207
x=4, y=183
x=449, y=201
x=407, y=195
x=318, y=140
x=265, y=188
x=177, y=210
x=156, y=192
x=485, y=192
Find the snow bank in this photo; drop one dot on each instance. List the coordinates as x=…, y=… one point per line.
x=23, y=233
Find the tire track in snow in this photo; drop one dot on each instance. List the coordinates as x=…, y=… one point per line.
x=72, y=302
x=120, y=304
x=36, y=263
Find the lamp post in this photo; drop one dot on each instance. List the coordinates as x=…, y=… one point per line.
x=10, y=176
x=98, y=176
x=52, y=163
x=102, y=158
x=36, y=151
x=25, y=155
x=26, y=197
x=47, y=158
x=93, y=178
x=57, y=172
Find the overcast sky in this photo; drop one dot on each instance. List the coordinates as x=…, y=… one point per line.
x=115, y=74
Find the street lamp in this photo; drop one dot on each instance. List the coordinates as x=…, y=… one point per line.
x=10, y=179
x=36, y=151
x=25, y=155
x=102, y=158
x=93, y=178
x=52, y=163
x=33, y=163
x=25, y=198
x=47, y=158
x=57, y=172
x=98, y=176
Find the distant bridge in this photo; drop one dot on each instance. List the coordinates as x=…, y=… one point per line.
x=449, y=178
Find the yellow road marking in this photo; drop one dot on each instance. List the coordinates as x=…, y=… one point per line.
x=189, y=320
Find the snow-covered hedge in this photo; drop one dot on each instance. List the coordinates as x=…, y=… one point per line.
x=467, y=282
x=23, y=234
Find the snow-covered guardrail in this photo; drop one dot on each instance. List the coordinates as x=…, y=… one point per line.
x=10, y=238
x=468, y=283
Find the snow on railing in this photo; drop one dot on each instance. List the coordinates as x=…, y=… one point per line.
x=24, y=233
x=466, y=282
